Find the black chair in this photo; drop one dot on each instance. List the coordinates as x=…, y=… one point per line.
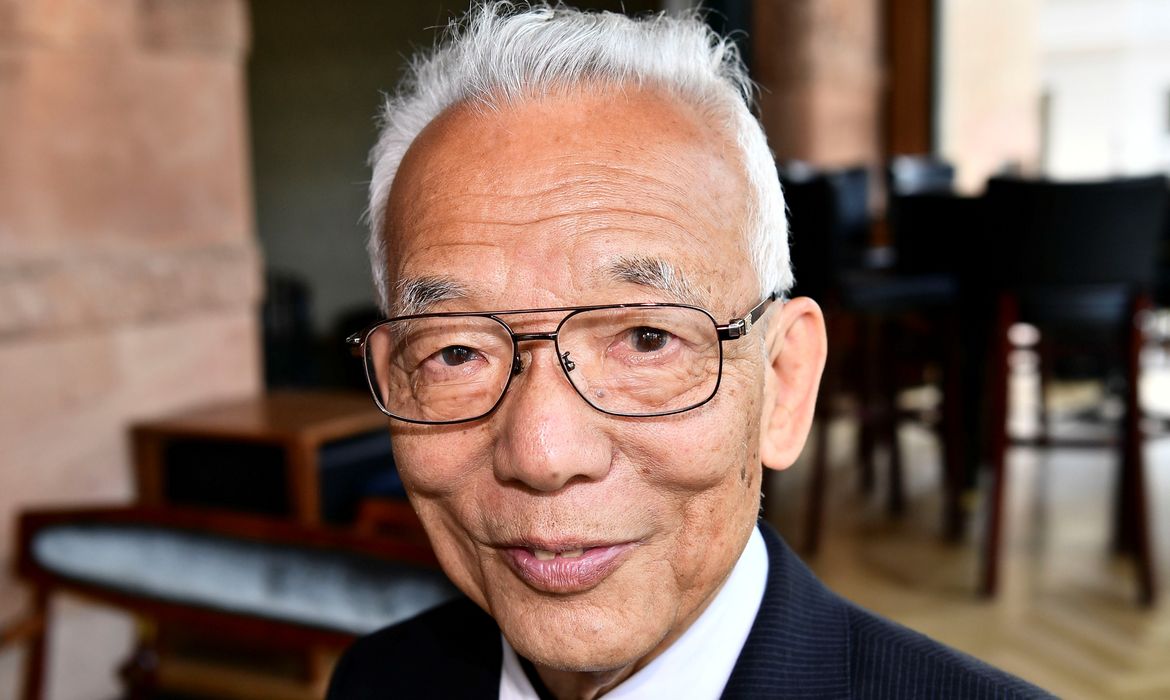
x=1076, y=260
x=1162, y=286
x=936, y=237
x=828, y=215
x=288, y=335
x=928, y=222
x=830, y=226
x=828, y=231
x=919, y=174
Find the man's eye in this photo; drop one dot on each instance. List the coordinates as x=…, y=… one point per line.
x=645, y=339
x=453, y=355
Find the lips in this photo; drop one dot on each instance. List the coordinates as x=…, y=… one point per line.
x=567, y=568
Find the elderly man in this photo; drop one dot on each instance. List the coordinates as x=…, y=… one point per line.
x=580, y=240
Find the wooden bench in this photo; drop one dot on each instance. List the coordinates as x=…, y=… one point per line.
x=280, y=584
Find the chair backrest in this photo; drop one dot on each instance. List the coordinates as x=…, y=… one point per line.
x=1162, y=285
x=828, y=215
x=930, y=226
x=919, y=174
x=935, y=233
x=1042, y=233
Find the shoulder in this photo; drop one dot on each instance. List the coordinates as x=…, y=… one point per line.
x=889, y=660
x=810, y=642
x=451, y=651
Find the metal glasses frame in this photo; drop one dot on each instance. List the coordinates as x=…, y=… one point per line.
x=732, y=330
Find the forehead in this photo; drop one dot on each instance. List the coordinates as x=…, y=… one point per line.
x=570, y=184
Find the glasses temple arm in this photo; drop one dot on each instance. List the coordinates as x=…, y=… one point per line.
x=356, y=342
x=737, y=328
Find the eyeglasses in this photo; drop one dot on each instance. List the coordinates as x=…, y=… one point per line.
x=635, y=360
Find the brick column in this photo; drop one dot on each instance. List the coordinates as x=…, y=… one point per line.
x=818, y=63
x=129, y=273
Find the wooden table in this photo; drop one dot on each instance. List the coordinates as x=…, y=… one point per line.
x=300, y=423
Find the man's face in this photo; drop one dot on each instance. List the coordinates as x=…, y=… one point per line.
x=535, y=206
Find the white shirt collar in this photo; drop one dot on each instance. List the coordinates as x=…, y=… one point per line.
x=700, y=662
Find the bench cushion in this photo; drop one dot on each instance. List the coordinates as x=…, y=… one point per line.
x=332, y=590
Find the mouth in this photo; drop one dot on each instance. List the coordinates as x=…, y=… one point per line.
x=565, y=568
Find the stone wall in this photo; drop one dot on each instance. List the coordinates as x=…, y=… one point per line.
x=129, y=274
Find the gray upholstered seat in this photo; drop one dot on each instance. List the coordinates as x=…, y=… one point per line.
x=331, y=590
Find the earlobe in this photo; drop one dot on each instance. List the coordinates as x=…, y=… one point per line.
x=796, y=350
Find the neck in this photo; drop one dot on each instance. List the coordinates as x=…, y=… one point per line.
x=573, y=685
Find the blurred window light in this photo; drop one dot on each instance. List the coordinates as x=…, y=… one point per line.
x=1066, y=89
x=1023, y=335
x=1106, y=64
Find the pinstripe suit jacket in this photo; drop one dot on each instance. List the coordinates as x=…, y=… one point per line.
x=806, y=642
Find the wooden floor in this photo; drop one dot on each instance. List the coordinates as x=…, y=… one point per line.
x=1065, y=619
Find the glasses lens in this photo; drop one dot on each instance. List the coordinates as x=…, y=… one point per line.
x=439, y=369
x=641, y=360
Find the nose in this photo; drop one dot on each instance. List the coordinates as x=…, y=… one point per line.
x=548, y=436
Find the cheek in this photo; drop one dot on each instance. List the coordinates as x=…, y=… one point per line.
x=714, y=503
x=712, y=445
x=436, y=470
x=715, y=475
x=434, y=461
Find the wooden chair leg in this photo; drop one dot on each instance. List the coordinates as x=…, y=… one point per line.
x=1133, y=462
x=1006, y=315
x=1124, y=539
x=887, y=397
x=952, y=435
x=868, y=409
x=1138, y=510
x=20, y=631
x=139, y=672
x=896, y=498
x=815, y=506
x=36, y=648
x=319, y=668
x=1044, y=357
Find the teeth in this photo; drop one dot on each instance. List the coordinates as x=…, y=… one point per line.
x=545, y=555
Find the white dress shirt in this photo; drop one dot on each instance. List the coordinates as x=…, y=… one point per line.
x=699, y=663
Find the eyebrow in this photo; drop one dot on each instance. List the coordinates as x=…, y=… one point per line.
x=655, y=273
x=418, y=294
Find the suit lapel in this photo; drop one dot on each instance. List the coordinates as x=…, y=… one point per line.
x=799, y=643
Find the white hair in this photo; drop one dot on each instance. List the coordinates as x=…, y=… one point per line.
x=500, y=53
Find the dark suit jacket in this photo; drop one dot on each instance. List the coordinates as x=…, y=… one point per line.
x=806, y=642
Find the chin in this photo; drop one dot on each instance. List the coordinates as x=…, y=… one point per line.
x=607, y=658
x=586, y=640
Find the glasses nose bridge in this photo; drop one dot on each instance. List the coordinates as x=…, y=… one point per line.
x=522, y=337
x=517, y=338
x=528, y=336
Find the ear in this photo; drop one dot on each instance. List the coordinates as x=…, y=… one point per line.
x=796, y=348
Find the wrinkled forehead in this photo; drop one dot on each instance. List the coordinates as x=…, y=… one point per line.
x=586, y=180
